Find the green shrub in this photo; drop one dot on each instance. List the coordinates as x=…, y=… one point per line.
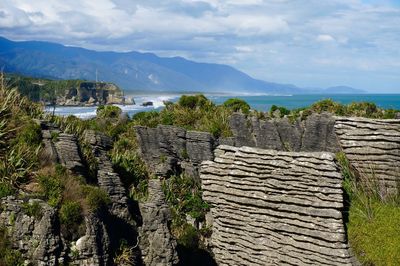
x=30, y=134
x=139, y=192
x=282, y=110
x=32, y=209
x=237, y=105
x=70, y=213
x=51, y=187
x=389, y=114
x=193, y=101
x=192, y=113
x=71, y=219
x=96, y=197
x=6, y=190
x=17, y=165
x=54, y=136
x=184, y=196
x=125, y=255
x=108, y=111
x=189, y=237
x=127, y=162
x=148, y=119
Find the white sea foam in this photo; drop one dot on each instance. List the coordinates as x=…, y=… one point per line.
x=90, y=111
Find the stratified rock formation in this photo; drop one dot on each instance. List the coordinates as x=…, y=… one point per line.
x=373, y=149
x=107, y=179
x=156, y=242
x=316, y=133
x=169, y=149
x=275, y=208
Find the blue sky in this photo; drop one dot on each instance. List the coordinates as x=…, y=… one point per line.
x=314, y=43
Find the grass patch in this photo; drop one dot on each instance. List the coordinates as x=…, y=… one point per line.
x=96, y=197
x=32, y=209
x=6, y=190
x=375, y=239
x=373, y=225
x=71, y=219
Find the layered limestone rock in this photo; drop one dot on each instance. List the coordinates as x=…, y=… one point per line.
x=169, y=149
x=156, y=242
x=94, y=247
x=316, y=133
x=67, y=150
x=373, y=149
x=33, y=232
x=107, y=178
x=275, y=208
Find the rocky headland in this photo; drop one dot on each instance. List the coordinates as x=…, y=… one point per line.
x=90, y=94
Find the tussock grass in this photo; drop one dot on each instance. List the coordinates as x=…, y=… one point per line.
x=373, y=225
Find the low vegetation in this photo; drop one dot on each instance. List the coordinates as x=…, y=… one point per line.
x=358, y=109
x=373, y=224
x=193, y=113
x=72, y=196
x=183, y=194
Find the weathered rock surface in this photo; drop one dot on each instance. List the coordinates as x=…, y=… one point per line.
x=94, y=247
x=68, y=153
x=107, y=179
x=169, y=149
x=275, y=208
x=156, y=242
x=373, y=148
x=316, y=133
x=36, y=236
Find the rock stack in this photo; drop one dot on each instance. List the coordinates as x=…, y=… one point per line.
x=373, y=149
x=275, y=208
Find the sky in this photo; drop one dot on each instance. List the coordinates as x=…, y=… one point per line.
x=308, y=43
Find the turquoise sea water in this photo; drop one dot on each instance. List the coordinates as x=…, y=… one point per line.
x=260, y=103
x=264, y=103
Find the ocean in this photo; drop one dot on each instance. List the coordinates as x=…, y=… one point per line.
x=259, y=102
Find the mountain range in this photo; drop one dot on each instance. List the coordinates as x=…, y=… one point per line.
x=135, y=71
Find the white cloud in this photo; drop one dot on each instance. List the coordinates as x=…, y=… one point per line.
x=325, y=38
x=244, y=49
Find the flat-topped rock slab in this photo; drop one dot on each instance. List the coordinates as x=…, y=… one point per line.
x=275, y=208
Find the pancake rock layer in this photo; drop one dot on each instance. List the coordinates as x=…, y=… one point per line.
x=373, y=149
x=275, y=208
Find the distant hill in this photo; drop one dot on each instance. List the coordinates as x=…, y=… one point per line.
x=131, y=70
x=343, y=90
